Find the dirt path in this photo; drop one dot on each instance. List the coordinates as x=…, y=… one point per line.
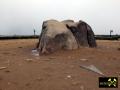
x=58, y=71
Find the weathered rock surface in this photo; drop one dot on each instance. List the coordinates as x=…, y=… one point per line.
x=67, y=34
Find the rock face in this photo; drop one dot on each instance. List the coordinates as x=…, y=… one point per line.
x=67, y=34
x=55, y=35
x=82, y=32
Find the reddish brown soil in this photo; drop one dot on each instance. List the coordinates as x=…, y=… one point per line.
x=58, y=71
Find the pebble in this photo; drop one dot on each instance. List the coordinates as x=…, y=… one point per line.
x=37, y=54
x=1, y=68
x=84, y=59
x=75, y=83
x=7, y=71
x=29, y=60
x=9, y=83
x=69, y=76
x=20, y=47
x=82, y=87
x=34, y=51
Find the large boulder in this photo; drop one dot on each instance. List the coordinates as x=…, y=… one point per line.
x=67, y=34
x=55, y=35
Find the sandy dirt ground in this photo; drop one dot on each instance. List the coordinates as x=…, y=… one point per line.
x=58, y=71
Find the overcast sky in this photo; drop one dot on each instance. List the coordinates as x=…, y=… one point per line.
x=20, y=17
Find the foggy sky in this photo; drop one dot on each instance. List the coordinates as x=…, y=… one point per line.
x=20, y=17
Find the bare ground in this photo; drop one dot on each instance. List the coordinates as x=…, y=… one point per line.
x=57, y=71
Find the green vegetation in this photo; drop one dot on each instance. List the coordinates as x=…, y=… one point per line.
x=98, y=37
x=18, y=37
x=107, y=37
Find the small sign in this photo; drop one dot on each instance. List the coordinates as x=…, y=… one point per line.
x=108, y=82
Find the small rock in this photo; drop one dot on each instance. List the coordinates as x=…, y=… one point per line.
x=20, y=47
x=82, y=87
x=9, y=83
x=34, y=51
x=7, y=71
x=1, y=68
x=75, y=83
x=84, y=59
x=69, y=76
x=29, y=60
x=37, y=54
